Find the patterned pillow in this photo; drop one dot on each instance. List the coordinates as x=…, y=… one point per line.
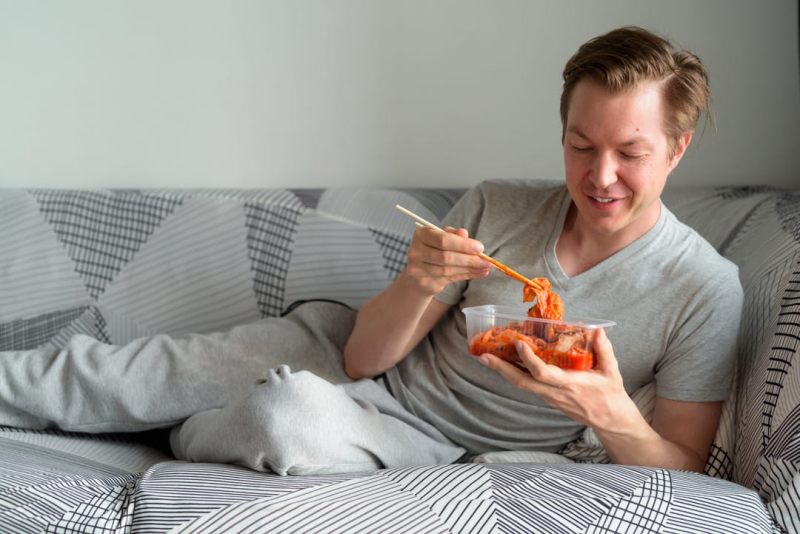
x=118, y=265
x=767, y=251
x=767, y=456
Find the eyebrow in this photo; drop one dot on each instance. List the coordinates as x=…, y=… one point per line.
x=629, y=142
x=638, y=139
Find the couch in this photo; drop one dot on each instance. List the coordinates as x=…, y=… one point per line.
x=120, y=264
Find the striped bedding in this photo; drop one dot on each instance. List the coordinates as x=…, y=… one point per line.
x=50, y=490
x=104, y=263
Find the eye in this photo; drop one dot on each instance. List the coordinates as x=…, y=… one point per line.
x=633, y=157
x=581, y=149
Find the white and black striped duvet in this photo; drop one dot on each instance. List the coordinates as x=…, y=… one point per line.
x=49, y=490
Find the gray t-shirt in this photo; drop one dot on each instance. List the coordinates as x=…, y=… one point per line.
x=676, y=301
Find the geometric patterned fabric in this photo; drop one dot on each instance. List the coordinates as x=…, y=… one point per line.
x=269, y=243
x=176, y=497
x=102, y=232
x=118, y=265
x=764, y=242
x=27, y=334
x=393, y=249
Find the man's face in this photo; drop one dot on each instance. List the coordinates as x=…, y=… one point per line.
x=617, y=158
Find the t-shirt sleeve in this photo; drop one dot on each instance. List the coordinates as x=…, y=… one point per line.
x=701, y=360
x=466, y=214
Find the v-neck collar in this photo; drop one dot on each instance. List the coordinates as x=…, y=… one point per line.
x=556, y=274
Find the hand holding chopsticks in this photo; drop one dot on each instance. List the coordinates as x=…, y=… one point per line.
x=499, y=266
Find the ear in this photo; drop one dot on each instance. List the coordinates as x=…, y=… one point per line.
x=680, y=150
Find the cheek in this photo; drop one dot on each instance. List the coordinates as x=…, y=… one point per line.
x=571, y=175
x=573, y=166
x=645, y=177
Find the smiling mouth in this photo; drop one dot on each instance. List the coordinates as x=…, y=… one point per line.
x=603, y=200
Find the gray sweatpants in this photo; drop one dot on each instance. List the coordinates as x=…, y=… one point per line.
x=229, y=396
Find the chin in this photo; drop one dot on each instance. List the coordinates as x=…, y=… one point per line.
x=608, y=222
x=609, y=227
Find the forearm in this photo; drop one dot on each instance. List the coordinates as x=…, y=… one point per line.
x=385, y=328
x=679, y=437
x=391, y=324
x=635, y=442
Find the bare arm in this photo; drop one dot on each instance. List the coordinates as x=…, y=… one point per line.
x=681, y=433
x=679, y=438
x=388, y=327
x=391, y=324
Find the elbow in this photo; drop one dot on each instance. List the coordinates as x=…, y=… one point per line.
x=694, y=458
x=353, y=374
x=691, y=461
x=357, y=374
x=698, y=464
x=351, y=369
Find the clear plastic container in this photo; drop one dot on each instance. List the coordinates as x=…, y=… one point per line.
x=566, y=344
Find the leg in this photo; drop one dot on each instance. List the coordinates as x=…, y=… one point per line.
x=160, y=381
x=300, y=424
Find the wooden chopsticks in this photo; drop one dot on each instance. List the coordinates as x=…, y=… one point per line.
x=499, y=266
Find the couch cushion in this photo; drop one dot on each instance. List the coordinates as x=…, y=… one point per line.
x=56, y=491
x=767, y=454
x=118, y=265
x=717, y=214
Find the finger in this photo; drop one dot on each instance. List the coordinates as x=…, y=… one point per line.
x=456, y=240
x=463, y=232
x=518, y=377
x=455, y=254
x=538, y=369
x=433, y=267
x=603, y=351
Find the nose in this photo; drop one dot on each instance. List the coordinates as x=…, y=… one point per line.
x=605, y=171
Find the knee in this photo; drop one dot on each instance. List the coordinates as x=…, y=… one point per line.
x=276, y=408
x=293, y=391
x=282, y=420
x=289, y=423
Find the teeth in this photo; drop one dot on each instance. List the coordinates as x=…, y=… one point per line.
x=603, y=200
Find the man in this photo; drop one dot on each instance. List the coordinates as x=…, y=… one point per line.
x=629, y=109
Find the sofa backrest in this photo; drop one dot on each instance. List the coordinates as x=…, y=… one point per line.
x=759, y=230
x=118, y=265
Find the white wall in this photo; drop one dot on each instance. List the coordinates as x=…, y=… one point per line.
x=311, y=93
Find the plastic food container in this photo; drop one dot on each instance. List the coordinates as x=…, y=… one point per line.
x=566, y=344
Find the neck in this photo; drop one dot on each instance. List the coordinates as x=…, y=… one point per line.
x=580, y=247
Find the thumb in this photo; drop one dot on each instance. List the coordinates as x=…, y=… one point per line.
x=461, y=232
x=603, y=351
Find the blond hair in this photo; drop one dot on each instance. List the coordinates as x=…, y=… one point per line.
x=624, y=58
